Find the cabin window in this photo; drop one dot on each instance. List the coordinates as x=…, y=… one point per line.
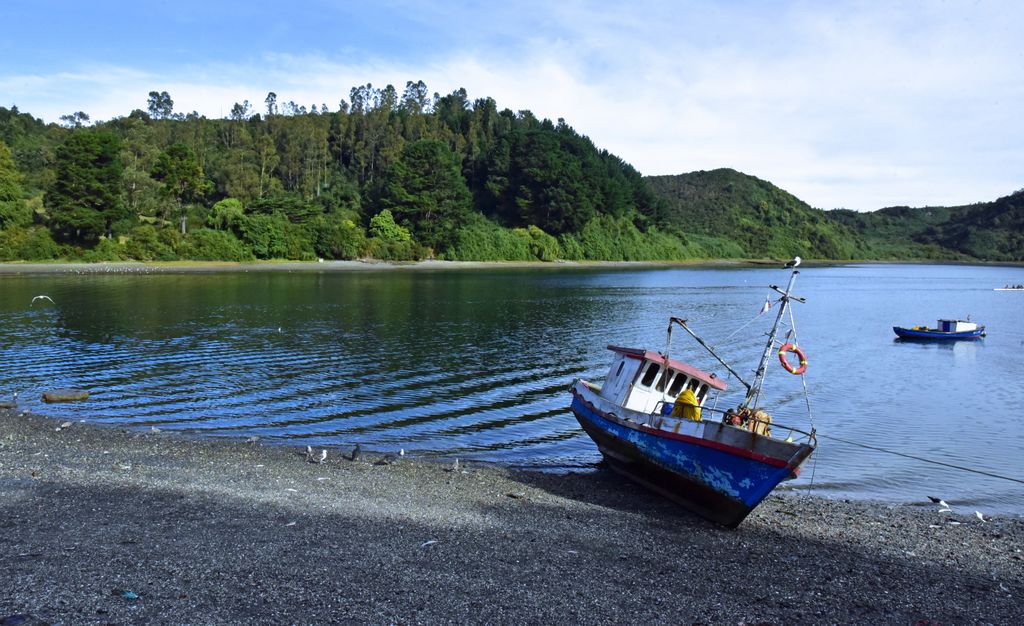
x=650, y=374
x=664, y=378
x=677, y=385
x=619, y=371
x=703, y=392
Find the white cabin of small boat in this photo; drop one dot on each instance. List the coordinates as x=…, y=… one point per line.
x=641, y=379
x=956, y=326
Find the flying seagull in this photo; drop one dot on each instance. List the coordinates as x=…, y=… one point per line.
x=793, y=263
x=41, y=298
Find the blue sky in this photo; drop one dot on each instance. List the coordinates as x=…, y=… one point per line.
x=844, y=104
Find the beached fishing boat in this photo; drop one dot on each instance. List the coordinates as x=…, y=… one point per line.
x=1010, y=288
x=946, y=329
x=654, y=421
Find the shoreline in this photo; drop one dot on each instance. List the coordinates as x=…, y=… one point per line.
x=224, y=531
x=200, y=267
x=213, y=267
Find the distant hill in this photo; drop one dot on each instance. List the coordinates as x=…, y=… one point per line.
x=987, y=231
x=735, y=215
x=731, y=214
x=991, y=230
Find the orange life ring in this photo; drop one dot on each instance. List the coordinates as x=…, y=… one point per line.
x=795, y=349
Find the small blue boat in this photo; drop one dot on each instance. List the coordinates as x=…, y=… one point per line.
x=650, y=420
x=946, y=329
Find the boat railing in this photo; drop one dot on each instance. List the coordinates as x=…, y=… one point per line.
x=663, y=409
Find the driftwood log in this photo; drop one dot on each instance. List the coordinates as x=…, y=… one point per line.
x=65, y=395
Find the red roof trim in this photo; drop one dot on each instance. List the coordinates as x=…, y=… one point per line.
x=636, y=353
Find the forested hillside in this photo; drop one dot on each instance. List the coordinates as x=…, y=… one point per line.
x=990, y=231
x=385, y=175
x=410, y=176
x=737, y=215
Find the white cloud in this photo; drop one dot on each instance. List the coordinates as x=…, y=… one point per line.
x=857, y=107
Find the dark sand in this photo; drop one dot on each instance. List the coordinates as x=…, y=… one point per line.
x=211, y=532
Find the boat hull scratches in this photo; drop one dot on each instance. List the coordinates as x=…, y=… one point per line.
x=682, y=472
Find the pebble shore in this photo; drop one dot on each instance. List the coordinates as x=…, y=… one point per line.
x=102, y=525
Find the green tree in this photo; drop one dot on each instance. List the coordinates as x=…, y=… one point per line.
x=85, y=199
x=146, y=243
x=335, y=238
x=182, y=177
x=160, y=105
x=27, y=244
x=274, y=237
x=10, y=178
x=226, y=215
x=204, y=244
x=77, y=119
x=13, y=209
x=426, y=190
x=383, y=226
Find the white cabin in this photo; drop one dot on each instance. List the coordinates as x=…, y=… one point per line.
x=641, y=380
x=956, y=326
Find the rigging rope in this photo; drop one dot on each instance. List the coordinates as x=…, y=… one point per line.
x=803, y=378
x=733, y=333
x=921, y=458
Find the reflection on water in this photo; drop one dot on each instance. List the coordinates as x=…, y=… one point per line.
x=478, y=363
x=962, y=349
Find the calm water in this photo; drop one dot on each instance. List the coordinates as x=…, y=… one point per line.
x=477, y=364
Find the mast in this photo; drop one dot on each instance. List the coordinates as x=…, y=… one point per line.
x=754, y=390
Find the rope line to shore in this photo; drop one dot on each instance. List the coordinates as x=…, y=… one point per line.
x=921, y=458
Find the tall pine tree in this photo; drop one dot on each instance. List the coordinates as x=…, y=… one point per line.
x=85, y=199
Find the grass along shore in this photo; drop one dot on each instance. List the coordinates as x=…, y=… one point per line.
x=106, y=525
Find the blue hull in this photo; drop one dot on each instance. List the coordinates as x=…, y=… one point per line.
x=910, y=333
x=719, y=482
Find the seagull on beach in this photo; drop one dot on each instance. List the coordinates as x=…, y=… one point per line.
x=943, y=507
x=323, y=455
x=41, y=297
x=356, y=451
x=794, y=262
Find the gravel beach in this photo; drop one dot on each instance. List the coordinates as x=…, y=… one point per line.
x=104, y=525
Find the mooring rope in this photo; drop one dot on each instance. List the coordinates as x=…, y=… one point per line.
x=921, y=458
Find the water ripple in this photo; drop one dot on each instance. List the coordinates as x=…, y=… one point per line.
x=478, y=364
